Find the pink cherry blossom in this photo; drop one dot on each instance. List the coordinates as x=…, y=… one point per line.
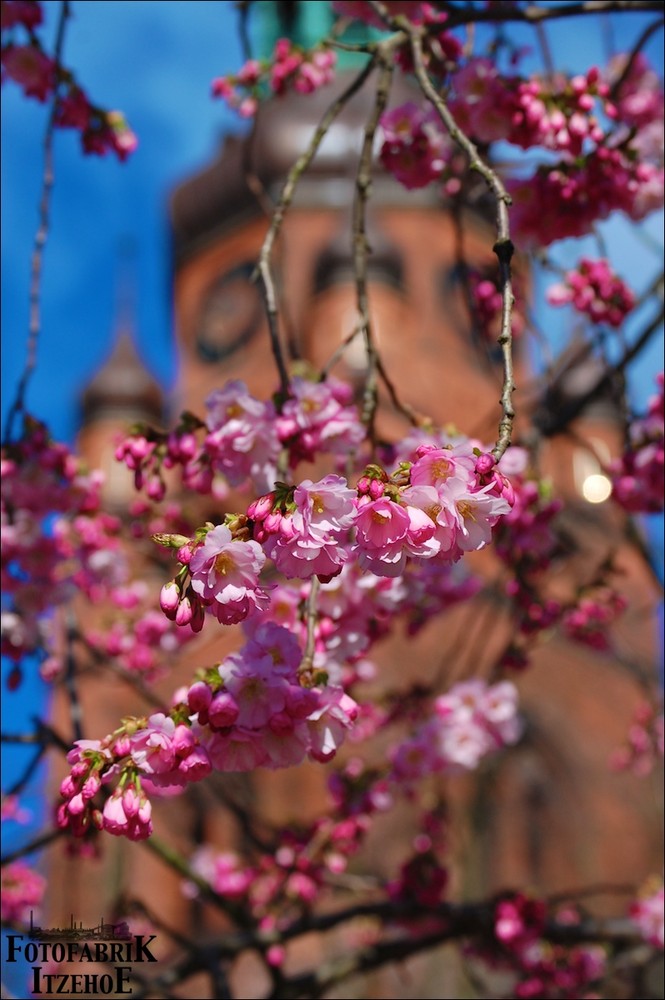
x=225, y=576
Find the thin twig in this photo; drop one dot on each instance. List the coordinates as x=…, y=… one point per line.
x=69, y=680
x=415, y=419
x=635, y=51
x=503, y=247
x=41, y=236
x=551, y=422
x=34, y=845
x=30, y=769
x=546, y=51
x=360, y=245
x=533, y=14
x=264, y=269
x=307, y=661
x=338, y=353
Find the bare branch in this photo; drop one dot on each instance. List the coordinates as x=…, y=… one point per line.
x=360, y=246
x=503, y=247
x=41, y=236
x=288, y=191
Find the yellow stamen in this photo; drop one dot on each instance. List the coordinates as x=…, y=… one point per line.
x=379, y=518
x=433, y=511
x=224, y=563
x=317, y=504
x=466, y=509
x=441, y=469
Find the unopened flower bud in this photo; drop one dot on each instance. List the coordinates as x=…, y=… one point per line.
x=272, y=521
x=484, y=464
x=184, y=613
x=169, y=599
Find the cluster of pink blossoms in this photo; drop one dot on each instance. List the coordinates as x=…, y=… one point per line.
x=441, y=49
x=487, y=304
x=290, y=67
x=47, y=560
x=356, y=608
x=139, y=639
x=638, y=477
x=251, y=711
x=553, y=114
x=440, y=506
x=21, y=891
x=245, y=437
x=472, y=720
x=567, y=199
x=360, y=10
x=437, y=506
x=289, y=879
x=645, y=742
x=27, y=13
x=44, y=564
x=542, y=971
x=638, y=104
x=594, y=289
x=590, y=619
x=598, y=172
x=414, y=150
x=422, y=878
x=40, y=76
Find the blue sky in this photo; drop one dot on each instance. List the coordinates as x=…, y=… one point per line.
x=154, y=61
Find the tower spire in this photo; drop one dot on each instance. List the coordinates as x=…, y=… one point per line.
x=123, y=389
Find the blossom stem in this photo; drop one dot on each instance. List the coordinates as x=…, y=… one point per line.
x=310, y=620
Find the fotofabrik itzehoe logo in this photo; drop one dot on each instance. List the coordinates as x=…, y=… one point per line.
x=80, y=951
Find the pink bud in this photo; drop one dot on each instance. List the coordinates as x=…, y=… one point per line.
x=286, y=528
x=185, y=612
x=183, y=740
x=122, y=747
x=272, y=521
x=76, y=805
x=130, y=801
x=484, y=464
x=199, y=696
x=259, y=510
x=91, y=786
x=67, y=787
x=223, y=710
x=169, y=598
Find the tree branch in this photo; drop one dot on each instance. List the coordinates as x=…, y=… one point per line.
x=503, y=247
x=264, y=269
